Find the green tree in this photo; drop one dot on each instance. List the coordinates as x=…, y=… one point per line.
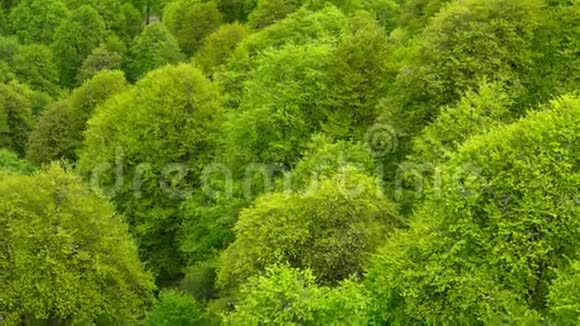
x=161, y=133
x=36, y=21
x=286, y=296
x=9, y=161
x=109, y=10
x=413, y=15
x=16, y=116
x=75, y=39
x=330, y=227
x=100, y=59
x=3, y=21
x=153, y=48
x=59, y=132
x=280, y=107
x=269, y=12
x=559, y=70
x=323, y=158
x=191, y=21
x=34, y=65
x=302, y=27
x=502, y=219
x=464, y=43
x=358, y=77
x=236, y=10
x=175, y=309
x=219, y=46
x=133, y=21
x=477, y=112
x=66, y=255
x=564, y=296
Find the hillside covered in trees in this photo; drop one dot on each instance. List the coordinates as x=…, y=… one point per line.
x=286, y=162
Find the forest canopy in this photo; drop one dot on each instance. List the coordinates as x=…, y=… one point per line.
x=287, y=162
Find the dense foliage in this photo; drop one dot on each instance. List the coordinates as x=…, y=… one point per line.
x=66, y=255
x=286, y=162
x=159, y=135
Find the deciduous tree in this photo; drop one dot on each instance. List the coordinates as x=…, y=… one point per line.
x=66, y=255
x=161, y=133
x=153, y=48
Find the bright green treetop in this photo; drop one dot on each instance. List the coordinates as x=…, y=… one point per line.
x=175, y=309
x=487, y=243
x=287, y=296
x=330, y=227
x=65, y=254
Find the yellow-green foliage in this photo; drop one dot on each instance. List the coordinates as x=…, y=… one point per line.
x=302, y=27
x=330, y=227
x=65, y=255
x=488, y=241
x=287, y=296
x=279, y=112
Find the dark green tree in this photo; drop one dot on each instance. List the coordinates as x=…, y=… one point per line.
x=3, y=21
x=35, y=66
x=36, y=21
x=16, y=116
x=269, y=12
x=153, y=48
x=59, y=132
x=75, y=39
x=133, y=21
x=100, y=59
x=236, y=10
x=191, y=21
x=358, y=77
